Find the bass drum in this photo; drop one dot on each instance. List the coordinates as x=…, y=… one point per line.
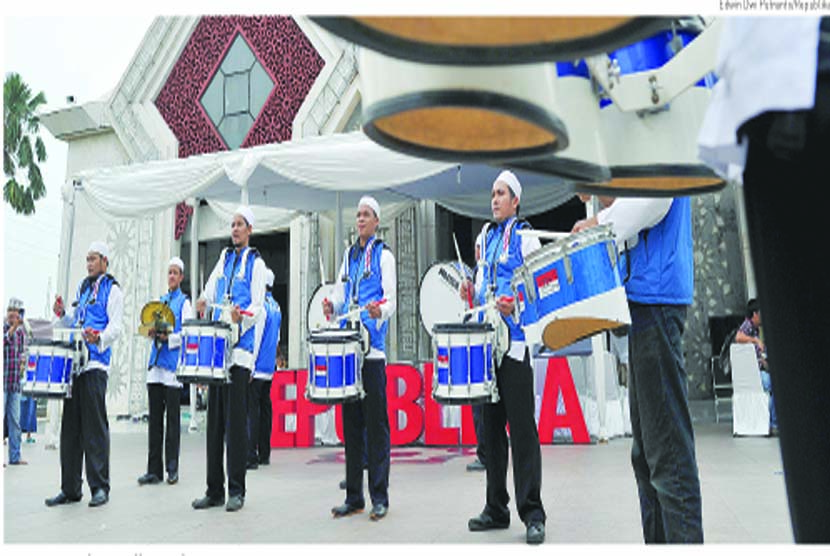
x=316, y=319
x=439, y=300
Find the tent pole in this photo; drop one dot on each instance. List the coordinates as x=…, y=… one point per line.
x=194, y=294
x=338, y=233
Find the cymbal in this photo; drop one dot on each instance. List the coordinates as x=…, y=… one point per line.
x=157, y=316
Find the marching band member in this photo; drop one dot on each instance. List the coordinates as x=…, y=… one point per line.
x=267, y=338
x=659, y=286
x=163, y=390
x=503, y=251
x=85, y=436
x=238, y=283
x=369, y=276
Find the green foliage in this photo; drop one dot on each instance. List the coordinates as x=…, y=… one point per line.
x=21, y=126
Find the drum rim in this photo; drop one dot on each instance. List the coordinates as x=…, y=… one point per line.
x=634, y=30
x=573, y=170
x=463, y=98
x=53, y=343
x=334, y=336
x=205, y=322
x=655, y=170
x=450, y=327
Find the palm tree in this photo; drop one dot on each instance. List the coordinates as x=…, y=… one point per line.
x=24, y=182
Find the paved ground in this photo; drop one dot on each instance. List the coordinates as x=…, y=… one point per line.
x=588, y=492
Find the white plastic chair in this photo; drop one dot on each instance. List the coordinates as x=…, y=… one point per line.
x=750, y=404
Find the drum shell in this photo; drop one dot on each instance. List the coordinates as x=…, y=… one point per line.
x=334, y=366
x=206, y=352
x=464, y=364
x=524, y=95
x=50, y=366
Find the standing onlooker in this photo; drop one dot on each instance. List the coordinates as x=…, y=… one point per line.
x=750, y=333
x=28, y=405
x=14, y=344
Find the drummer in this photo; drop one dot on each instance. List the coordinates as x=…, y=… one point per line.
x=163, y=390
x=85, y=435
x=502, y=252
x=368, y=276
x=238, y=282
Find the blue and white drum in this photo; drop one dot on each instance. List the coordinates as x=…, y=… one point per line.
x=570, y=289
x=206, y=352
x=464, y=363
x=50, y=367
x=335, y=359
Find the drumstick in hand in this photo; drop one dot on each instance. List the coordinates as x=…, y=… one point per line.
x=461, y=271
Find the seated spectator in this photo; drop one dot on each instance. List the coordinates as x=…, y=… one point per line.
x=750, y=333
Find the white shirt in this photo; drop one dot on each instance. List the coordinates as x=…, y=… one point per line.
x=529, y=245
x=159, y=375
x=628, y=216
x=111, y=333
x=764, y=64
x=389, y=285
x=240, y=356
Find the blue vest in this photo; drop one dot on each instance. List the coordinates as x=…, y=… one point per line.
x=662, y=262
x=498, y=271
x=366, y=286
x=238, y=287
x=165, y=357
x=267, y=357
x=91, y=312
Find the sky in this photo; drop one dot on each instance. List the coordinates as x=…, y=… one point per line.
x=80, y=56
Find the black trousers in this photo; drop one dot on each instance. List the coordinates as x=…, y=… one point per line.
x=163, y=399
x=260, y=415
x=370, y=412
x=478, y=421
x=785, y=195
x=515, y=406
x=85, y=435
x=227, y=422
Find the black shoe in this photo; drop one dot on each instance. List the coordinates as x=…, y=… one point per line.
x=345, y=510
x=483, y=522
x=378, y=512
x=265, y=462
x=535, y=532
x=61, y=499
x=207, y=502
x=235, y=503
x=99, y=498
x=252, y=465
x=172, y=478
x=148, y=479
x=476, y=466
x=343, y=484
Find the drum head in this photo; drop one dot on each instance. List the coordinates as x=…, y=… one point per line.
x=439, y=300
x=315, y=319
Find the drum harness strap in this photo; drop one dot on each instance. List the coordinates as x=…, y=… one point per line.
x=353, y=254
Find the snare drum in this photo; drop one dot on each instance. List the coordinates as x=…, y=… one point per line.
x=335, y=359
x=464, y=363
x=570, y=289
x=206, y=355
x=50, y=366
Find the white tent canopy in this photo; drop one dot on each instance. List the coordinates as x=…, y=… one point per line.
x=306, y=175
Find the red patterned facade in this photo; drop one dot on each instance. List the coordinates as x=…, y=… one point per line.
x=281, y=47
